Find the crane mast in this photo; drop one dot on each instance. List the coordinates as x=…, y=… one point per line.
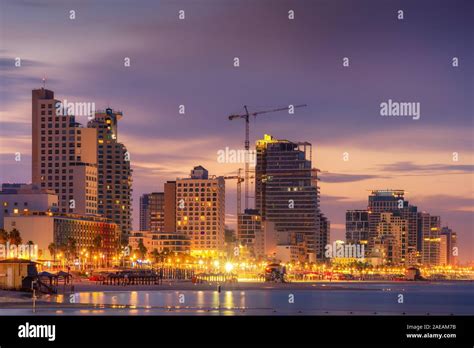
x=246, y=117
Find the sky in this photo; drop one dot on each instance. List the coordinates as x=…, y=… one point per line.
x=190, y=62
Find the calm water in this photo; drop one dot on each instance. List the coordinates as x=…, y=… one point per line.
x=359, y=298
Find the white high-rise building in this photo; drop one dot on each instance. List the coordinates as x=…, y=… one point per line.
x=200, y=211
x=64, y=155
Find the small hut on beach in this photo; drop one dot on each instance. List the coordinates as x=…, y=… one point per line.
x=17, y=274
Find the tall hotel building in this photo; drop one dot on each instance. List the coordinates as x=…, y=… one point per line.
x=200, y=211
x=391, y=242
x=325, y=232
x=169, y=224
x=286, y=192
x=411, y=237
x=448, y=247
x=357, y=227
x=152, y=212
x=381, y=201
x=114, y=172
x=64, y=156
x=429, y=228
x=249, y=230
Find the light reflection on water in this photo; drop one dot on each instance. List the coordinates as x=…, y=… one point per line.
x=419, y=299
x=456, y=298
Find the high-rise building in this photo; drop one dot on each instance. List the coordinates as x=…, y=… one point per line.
x=152, y=212
x=410, y=214
x=286, y=192
x=357, y=227
x=381, y=201
x=420, y=240
x=391, y=242
x=170, y=207
x=200, y=211
x=429, y=228
x=448, y=247
x=249, y=229
x=64, y=155
x=114, y=172
x=18, y=199
x=325, y=232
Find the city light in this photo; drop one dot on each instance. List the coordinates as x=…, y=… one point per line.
x=260, y=168
x=229, y=267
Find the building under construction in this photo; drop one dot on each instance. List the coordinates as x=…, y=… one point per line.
x=287, y=194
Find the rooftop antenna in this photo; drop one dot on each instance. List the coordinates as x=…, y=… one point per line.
x=44, y=81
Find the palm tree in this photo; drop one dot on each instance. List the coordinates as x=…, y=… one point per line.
x=3, y=236
x=123, y=242
x=14, y=237
x=71, y=248
x=61, y=251
x=156, y=255
x=142, y=249
x=97, y=243
x=361, y=266
x=52, y=250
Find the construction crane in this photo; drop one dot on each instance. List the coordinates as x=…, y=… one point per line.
x=239, y=188
x=246, y=117
x=240, y=179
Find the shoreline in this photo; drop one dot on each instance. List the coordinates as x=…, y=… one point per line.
x=374, y=293
x=86, y=286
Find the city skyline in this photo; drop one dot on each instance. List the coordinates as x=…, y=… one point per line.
x=342, y=113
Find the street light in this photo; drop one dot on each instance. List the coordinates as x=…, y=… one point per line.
x=229, y=267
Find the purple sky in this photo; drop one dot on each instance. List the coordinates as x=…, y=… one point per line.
x=282, y=62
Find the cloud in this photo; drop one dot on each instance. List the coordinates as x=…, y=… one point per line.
x=425, y=169
x=337, y=177
x=328, y=198
x=444, y=203
x=8, y=63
